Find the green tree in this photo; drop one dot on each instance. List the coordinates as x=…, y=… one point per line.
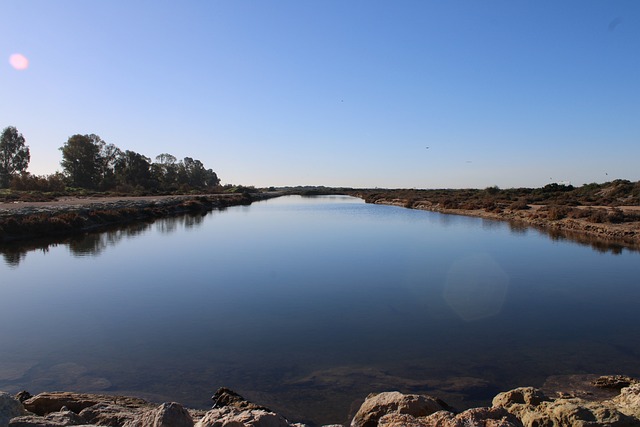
x=165, y=171
x=133, y=169
x=81, y=161
x=14, y=155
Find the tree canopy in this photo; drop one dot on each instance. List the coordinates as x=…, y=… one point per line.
x=89, y=162
x=14, y=155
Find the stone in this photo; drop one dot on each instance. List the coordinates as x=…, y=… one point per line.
x=166, y=415
x=108, y=414
x=535, y=409
x=54, y=419
x=477, y=417
x=45, y=403
x=376, y=406
x=227, y=397
x=628, y=401
x=230, y=416
x=616, y=382
x=10, y=407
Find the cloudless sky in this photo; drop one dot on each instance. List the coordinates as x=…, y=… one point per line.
x=335, y=92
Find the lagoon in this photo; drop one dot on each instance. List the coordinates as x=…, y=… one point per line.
x=307, y=304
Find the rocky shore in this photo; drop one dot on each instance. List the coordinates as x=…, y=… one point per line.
x=617, y=406
x=29, y=220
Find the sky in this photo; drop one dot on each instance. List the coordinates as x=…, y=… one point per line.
x=393, y=94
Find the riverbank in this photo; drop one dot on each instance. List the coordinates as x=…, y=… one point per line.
x=75, y=215
x=612, y=401
x=575, y=222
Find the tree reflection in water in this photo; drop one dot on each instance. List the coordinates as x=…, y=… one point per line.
x=93, y=244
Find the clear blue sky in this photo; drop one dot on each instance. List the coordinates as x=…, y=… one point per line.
x=336, y=93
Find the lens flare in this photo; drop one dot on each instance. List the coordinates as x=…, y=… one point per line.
x=19, y=61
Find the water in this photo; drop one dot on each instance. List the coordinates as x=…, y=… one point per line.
x=306, y=305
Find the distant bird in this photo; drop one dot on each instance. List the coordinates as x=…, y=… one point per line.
x=427, y=148
x=468, y=161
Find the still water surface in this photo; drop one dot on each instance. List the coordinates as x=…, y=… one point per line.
x=308, y=304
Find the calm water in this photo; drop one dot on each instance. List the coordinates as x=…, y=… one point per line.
x=308, y=304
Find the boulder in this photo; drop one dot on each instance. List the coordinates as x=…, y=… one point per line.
x=535, y=409
x=377, y=405
x=55, y=419
x=10, y=407
x=108, y=414
x=45, y=403
x=166, y=415
x=477, y=417
x=628, y=401
x=230, y=416
x=227, y=397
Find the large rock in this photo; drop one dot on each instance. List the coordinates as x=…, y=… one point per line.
x=227, y=397
x=166, y=415
x=377, y=405
x=108, y=414
x=230, y=416
x=535, y=409
x=477, y=417
x=628, y=401
x=10, y=407
x=45, y=403
x=55, y=419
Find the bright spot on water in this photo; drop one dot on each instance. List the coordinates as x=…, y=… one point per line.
x=476, y=287
x=19, y=61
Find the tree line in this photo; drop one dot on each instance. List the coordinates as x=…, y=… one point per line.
x=90, y=163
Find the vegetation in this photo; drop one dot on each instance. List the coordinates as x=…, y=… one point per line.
x=595, y=203
x=14, y=155
x=90, y=164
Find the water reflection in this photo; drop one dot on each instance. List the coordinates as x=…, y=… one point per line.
x=95, y=243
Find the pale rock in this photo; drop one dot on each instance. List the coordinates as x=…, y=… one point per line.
x=477, y=417
x=10, y=407
x=166, y=415
x=230, y=416
x=535, y=409
x=377, y=405
x=628, y=401
x=55, y=419
x=108, y=414
x=45, y=403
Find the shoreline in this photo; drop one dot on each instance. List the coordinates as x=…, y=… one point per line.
x=626, y=234
x=612, y=400
x=69, y=216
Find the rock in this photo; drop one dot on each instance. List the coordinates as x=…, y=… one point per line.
x=616, y=382
x=108, y=414
x=377, y=405
x=10, y=407
x=628, y=402
x=535, y=409
x=166, y=415
x=230, y=416
x=227, y=397
x=23, y=395
x=45, y=403
x=477, y=417
x=54, y=419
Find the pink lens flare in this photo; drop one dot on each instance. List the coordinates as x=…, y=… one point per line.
x=19, y=61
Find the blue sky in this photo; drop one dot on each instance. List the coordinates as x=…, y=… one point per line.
x=336, y=93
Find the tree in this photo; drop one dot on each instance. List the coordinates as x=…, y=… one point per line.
x=14, y=155
x=134, y=169
x=81, y=160
x=165, y=171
